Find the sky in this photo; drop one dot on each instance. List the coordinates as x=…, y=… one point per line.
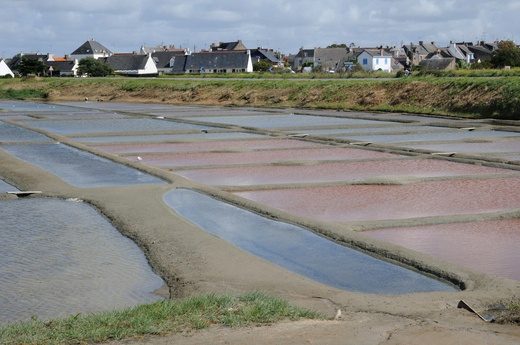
x=123, y=26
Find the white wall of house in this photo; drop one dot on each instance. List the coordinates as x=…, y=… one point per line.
x=371, y=62
x=150, y=67
x=83, y=56
x=5, y=70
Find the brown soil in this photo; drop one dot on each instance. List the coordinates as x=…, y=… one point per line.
x=192, y=261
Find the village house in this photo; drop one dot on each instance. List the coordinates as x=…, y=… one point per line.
x=90, y=48
x=5, y=70
x=214, y=62
x=375, y=60
x=131, y=64
x=62, y=67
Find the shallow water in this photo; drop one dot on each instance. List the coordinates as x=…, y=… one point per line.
x=335, y=172
x=11, y=133
x=488, y=246
x=286, y=120
x=386, y=202
x=111, y=125
x=79, y=168
x=206, y=146
x=168, y=137
x=6, y=187
x=300, y=156
x=298, y=250
x=51, y=267
x=437, y=136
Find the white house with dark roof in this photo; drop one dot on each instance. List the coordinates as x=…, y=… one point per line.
x=4, y=69
x=91, y=48
x=214, y=62
x=132, y=64
x=375, y=60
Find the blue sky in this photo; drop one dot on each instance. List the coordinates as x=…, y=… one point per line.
x=61, y=26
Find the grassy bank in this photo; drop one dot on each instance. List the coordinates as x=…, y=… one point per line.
x=461, y=96
x=158, y=318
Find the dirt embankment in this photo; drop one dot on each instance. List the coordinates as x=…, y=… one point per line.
x=479, y=97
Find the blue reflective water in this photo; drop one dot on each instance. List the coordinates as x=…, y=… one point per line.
x=11, y=133
x=62, y=257
x=111, y=125
x=79, y=168
x=286, y=120
x=168, y=137
x=298, y=250
x=21, y=106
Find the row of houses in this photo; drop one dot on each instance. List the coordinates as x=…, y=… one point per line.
x=235, y=57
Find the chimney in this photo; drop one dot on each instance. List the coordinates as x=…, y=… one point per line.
x=67, y=57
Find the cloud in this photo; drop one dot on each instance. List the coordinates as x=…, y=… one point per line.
x=62, y=26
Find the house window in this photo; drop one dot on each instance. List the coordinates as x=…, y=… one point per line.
x=365, y=61
x=386, y=61
x=377, y=61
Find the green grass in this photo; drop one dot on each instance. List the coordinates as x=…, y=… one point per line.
x=160, y=318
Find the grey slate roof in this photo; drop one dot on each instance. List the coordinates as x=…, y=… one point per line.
x=91, y=47
x=216, y=60
x=162, y=59
x=61, y=66
x=264, y=54
x=126, y=62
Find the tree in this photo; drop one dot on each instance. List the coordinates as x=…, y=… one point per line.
x=31, y=66
x=507, y=54
x=94, y=68
x=262, y=66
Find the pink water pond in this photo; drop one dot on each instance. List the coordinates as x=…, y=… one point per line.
x=263, y=156
x=207, y=146
x=331, y=172
x=387, y=202
x=488, y=246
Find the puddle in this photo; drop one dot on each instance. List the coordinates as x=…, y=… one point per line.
x=299, y=250
x=51, y=267
x=390, y=202
x=111, y=126
x=79, y=168
x=168, y=137
x=285, y=120
x=390, y=171
x=486, y=246
x=11, y=133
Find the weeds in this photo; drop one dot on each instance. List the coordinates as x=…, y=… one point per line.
x=165, y=317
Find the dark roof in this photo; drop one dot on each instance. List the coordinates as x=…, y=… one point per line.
x=481, y=52
x=210, y=60
x=438, y=64
x=62, y=66
x=91, y=47
x=264, y=54
x=305, y=53
x=162, y=59
x=238, y=45
x=126, y=62
x=217, y=60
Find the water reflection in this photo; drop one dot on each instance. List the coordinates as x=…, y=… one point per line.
x=51, y=267
x=297, y=249
x=79, y=168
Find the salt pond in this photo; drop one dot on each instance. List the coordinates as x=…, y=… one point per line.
x=51, y=267
x=297, y=249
